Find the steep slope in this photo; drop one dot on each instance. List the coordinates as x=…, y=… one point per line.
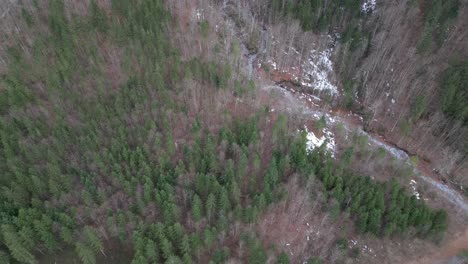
x=151, y=132
x=400, y=65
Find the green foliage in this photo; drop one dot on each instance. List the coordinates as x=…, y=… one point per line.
x=97, y=138
x=98, y=17
x=455, y=92
x=311, y=15
x=16, y=245
x=314, y=260
x=418, y=107
x=204, y=28
x=322, y=15
x=321, y=123
x=283, y=258
x=438, y=15
x=197, y=208
x=92, y=239
x=257, y=253
x=405, y=127
x=220, y=256
x=342, y=243
x=382, y=209
x=85, y=253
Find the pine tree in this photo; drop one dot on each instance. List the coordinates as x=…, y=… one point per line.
x=44, y=227
x=362, y=222
x=224, y=204
x=242, y=166
x=208, y=237
x=173, y=260
x=210, y=206
x=228, y=174
x=299, y=152
x=271, y=176
x=185, y=248
x=4, y=258
x=92, y=239
x=235, y=192
x=98, y=17
x=187, y=259
x=261, y=202
x=148, y=189
x=257, y=253
x=439, y=221
x=85, y=253
x=197, y=208
x=139, y=259
x=16, y=246
x=314, y=260
x=283, y=258
x=151, y=251
x=176, y=233
x=375, y=219
x=170, y=212
x=66, y=234
x=389, y=229
x=166, y=248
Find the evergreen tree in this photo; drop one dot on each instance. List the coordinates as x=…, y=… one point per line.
x=166, y=248
x=223, y=201
x=16, y=246
x=210, y=206
x=283, y=258
x=185, y=248
x=92, y=239
x=85, y=253
x=362, y=222
x=151, y=251
x=197, y=208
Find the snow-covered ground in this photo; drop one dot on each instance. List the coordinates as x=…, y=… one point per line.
x=368, y=6
x=199, y=14
x=314, y=142
x=295, y=103
x=317, y=72
x=413, y=185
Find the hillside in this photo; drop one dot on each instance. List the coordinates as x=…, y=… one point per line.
x=209, y=131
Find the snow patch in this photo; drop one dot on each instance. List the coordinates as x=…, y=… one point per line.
x=314, y=142
x=272, y=64
x=413, y=184
x=317, y=71
x=368, y=6
x=199, y=14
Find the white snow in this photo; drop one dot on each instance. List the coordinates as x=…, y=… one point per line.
x=317, y=72
x=199, y=14
x=368, y=5
x=272, y=64
x=413, y=184
x=445, y=191
x=314, y=142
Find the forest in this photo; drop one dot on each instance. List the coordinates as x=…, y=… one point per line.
x=112, y=140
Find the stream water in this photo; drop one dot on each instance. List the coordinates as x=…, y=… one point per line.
x=445, y=191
